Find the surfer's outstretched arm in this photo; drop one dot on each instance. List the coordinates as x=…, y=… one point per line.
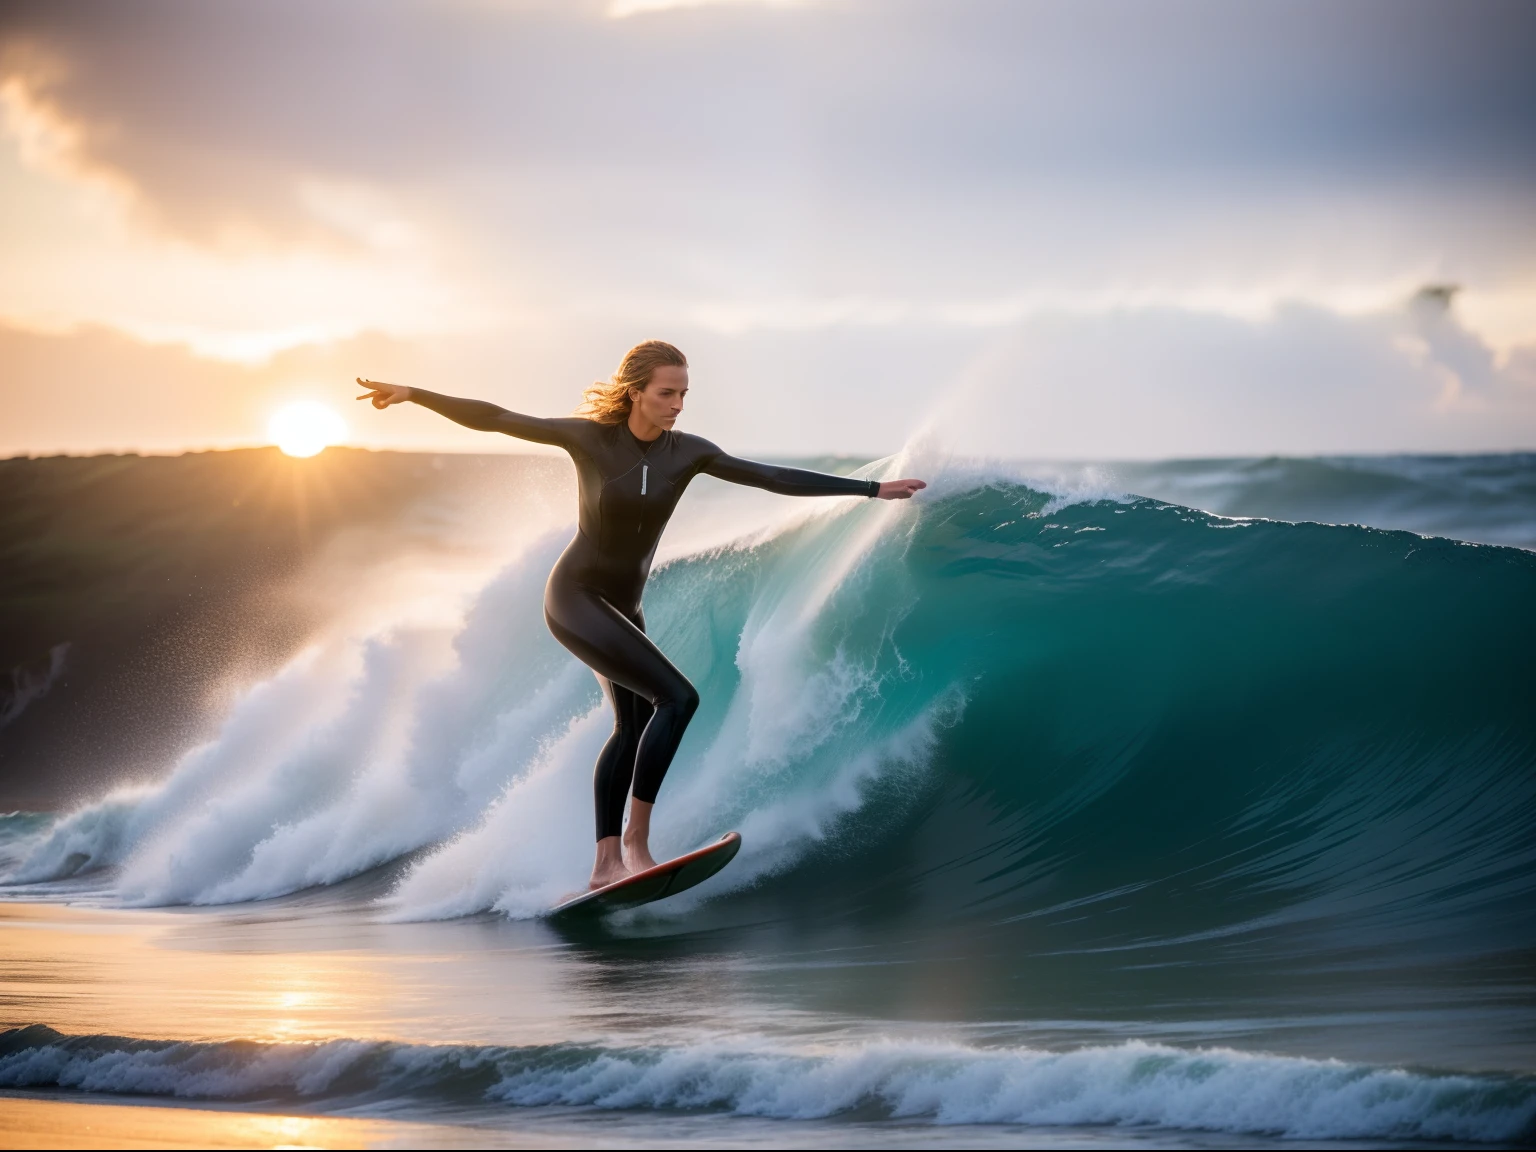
x=477, y=414
x=800, y=482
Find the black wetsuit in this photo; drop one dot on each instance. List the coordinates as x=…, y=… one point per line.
x=628, y=489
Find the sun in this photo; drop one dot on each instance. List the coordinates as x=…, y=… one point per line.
x=306, y=428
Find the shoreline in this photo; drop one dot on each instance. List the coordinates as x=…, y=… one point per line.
x=67, y=1120
x=49, y=1120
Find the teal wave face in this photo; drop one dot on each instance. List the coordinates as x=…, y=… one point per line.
x=1169, y=724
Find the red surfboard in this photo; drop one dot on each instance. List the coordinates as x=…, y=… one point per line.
x=666, y=879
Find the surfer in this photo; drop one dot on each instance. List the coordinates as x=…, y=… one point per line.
x=631, y=469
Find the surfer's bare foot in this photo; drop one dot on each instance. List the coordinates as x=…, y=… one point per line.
x=637, y=837
x=609, y=868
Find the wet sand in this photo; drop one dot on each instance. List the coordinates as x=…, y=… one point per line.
x=33, y=1122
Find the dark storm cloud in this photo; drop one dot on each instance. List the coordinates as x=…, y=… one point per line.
x=213, y=108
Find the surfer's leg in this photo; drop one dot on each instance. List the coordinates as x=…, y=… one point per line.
x=675, y=701
x=614, y=647
x=616, y=763
x=611, y=778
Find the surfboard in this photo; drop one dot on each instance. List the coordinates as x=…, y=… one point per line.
x=666, y=879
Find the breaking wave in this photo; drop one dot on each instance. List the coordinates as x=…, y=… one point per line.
x=1064, y=702
x=1133, y=1083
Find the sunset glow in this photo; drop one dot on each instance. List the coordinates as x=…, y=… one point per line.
x=1120, y=276
x=306, y=428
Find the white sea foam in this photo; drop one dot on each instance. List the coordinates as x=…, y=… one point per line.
x=482, y=738
x=358, y=751
x=1134, y=1083
x=773, y=767
x=368, y=747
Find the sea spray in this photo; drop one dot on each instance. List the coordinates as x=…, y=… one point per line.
x=263, y=725
x=789, y=641
x=398, y=758
x=357, y=752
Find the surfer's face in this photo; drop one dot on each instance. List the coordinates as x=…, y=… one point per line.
x=661, y=401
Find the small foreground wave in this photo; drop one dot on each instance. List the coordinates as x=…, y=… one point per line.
x=1134, y=1083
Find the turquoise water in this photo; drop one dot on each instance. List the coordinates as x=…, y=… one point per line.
x=1061, y=807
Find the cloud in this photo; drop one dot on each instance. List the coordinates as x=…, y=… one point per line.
x=1123, y=383
x=838, y=193
x=620, y=9
x=78, y=251
x=1159, y=383
x=48, y=141
x=213, y=110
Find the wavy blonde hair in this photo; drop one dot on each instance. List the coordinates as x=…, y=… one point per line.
x=607, y=401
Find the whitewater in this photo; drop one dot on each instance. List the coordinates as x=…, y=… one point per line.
x=1139, y=798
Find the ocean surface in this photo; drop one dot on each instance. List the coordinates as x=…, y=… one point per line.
x=1188, y=804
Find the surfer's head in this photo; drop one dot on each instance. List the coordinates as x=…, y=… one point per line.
x=653, y=374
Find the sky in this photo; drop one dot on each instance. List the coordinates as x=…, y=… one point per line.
x=1079, y=230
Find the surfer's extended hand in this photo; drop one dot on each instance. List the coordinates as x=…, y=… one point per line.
x=897, y=489
x=383, y=395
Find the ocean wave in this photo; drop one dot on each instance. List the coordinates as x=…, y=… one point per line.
x=1117, y=720
x=1134, y=1083
x=1489, y=499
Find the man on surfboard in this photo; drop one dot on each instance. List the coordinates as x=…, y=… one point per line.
x=631, y=470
